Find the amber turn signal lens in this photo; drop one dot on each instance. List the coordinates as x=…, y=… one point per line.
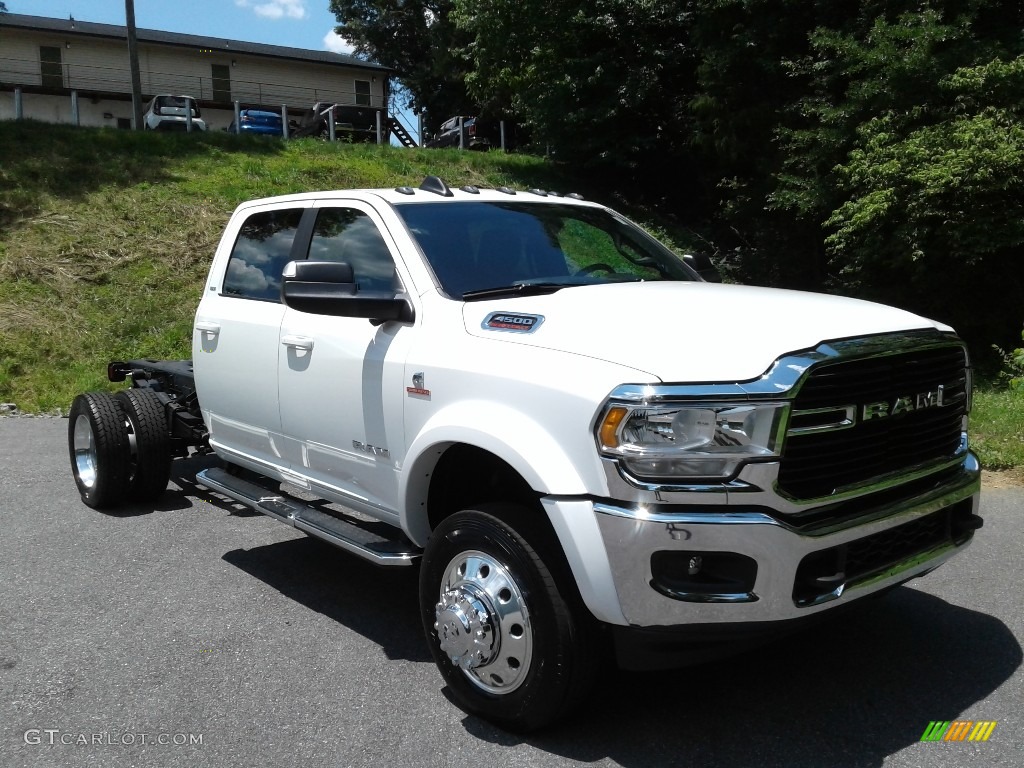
x=610, y=426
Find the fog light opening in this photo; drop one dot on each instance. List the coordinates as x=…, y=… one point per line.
x=726, y=577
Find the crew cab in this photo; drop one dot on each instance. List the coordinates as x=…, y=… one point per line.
x=579, y=442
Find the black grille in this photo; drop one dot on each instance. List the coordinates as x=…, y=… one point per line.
x=816, y=464
x=821, y=572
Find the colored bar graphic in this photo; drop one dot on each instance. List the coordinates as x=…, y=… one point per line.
x=958, y=730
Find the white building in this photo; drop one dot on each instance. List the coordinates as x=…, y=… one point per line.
x=68, y=71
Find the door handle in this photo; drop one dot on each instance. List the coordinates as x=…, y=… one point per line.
x=298, y=342
x=207, y=327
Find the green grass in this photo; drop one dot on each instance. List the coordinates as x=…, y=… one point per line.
x=997, y=427
x=106, y=236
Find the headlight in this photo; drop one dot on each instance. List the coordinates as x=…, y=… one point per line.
x=692, y=441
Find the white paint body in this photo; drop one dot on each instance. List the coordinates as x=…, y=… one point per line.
x=324, y=402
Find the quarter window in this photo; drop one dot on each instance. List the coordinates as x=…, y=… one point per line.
x=262, y=250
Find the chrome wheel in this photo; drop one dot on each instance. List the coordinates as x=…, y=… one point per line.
x=483, y=623
x=510, y=638
x=84, y=447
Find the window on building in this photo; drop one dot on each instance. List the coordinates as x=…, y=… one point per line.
x=363, y=93
x=263, y=247
x=51, y=67
x=221, y=82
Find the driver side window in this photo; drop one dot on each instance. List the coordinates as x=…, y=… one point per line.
x=350, y=235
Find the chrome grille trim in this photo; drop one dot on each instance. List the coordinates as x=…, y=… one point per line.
x=909, y=410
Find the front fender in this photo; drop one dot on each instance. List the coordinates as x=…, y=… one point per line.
x=540, y=458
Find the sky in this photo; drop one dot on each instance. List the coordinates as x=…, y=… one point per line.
x=293, y=23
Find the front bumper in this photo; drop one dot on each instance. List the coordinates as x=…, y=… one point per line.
x=774, y=570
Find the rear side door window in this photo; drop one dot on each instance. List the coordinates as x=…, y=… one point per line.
x=261, y=251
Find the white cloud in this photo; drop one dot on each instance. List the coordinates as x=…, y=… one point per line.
x=275, y=9
x=337, y=44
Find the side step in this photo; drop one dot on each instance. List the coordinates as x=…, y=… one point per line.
x=350, y=534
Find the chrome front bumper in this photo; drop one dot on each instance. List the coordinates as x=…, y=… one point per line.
x=632, y=533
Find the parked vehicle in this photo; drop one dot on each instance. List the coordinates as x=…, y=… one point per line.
x=351, y=123
x=581, y=443
x=258, y=122
x=171, y=113
x=480, y=134
x=472, y=131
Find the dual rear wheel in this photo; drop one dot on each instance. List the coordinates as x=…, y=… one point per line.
x=120, y=447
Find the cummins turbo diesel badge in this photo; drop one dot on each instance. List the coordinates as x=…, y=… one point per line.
x=513, y=321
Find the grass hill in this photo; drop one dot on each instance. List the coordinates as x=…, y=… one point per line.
x=106, y=236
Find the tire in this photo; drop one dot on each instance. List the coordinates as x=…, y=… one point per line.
x=149, y=441
x=514, y=645
x=99, y=449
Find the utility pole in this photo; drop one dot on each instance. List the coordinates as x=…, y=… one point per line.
x=133, y=60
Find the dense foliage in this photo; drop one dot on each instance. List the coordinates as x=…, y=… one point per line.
x=418, y=40
x=872, y=147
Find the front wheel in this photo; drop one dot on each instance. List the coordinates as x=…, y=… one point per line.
x=510, y=640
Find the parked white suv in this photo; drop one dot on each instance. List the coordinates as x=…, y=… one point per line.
x=170, y=113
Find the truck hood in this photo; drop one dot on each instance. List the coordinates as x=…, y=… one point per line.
x=683, y=332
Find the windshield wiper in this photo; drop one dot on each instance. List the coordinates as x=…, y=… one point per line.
x=519, y=289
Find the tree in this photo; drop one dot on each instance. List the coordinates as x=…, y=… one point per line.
x=933, y=213
x=601, y=81
x=849, y=135
x=418, y=41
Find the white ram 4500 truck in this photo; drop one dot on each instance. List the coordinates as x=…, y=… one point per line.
x=580, y=443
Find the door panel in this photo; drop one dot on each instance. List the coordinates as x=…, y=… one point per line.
x=342, y=379
x=237, y=335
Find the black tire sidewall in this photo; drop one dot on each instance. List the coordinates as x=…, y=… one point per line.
x=152, y=465
x=112, y=452
x=547, y=689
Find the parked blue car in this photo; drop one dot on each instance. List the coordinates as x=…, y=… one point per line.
x=258, y=121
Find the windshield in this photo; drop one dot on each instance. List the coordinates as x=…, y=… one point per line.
x=475, y=247
x=176, y=103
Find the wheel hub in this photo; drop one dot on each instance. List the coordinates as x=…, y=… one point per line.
x=483, y=624
x=464, y=628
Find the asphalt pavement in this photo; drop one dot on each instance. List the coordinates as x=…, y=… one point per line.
x=195, y=633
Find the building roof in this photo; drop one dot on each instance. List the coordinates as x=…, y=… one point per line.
x=112, y=31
